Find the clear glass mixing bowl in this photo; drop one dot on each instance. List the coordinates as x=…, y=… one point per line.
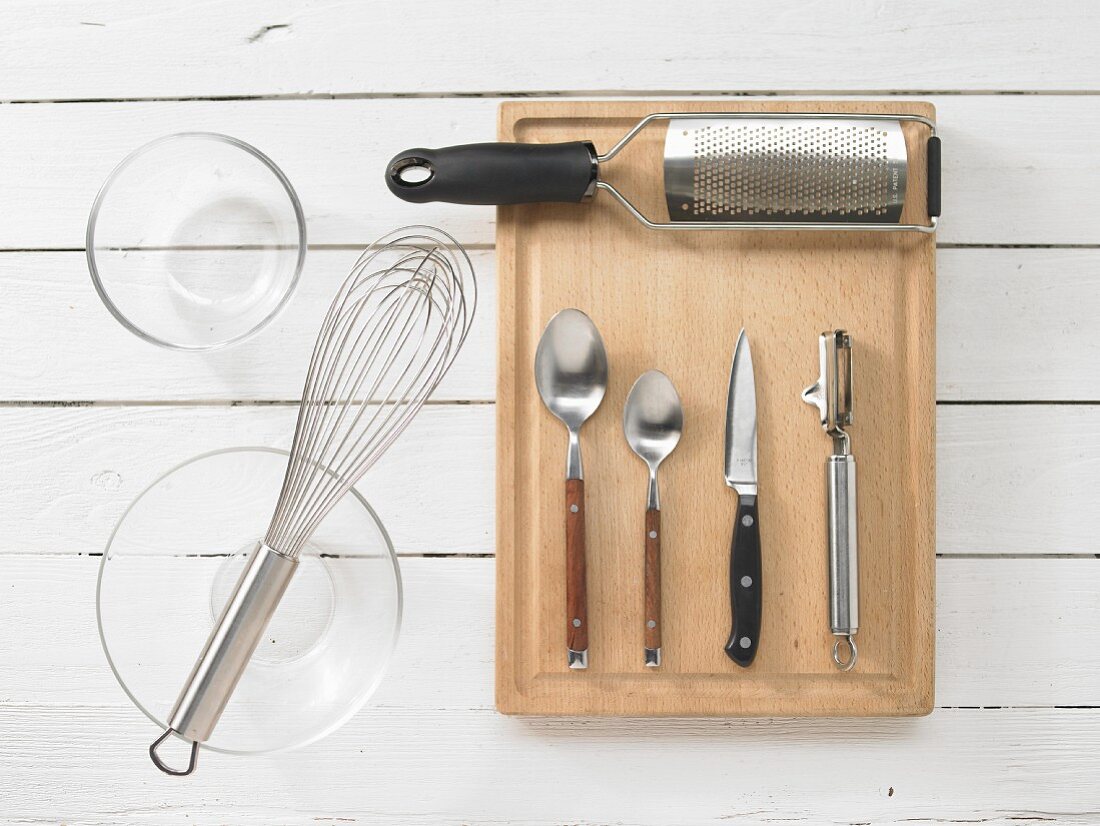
x=196, y=241
x=172, y=562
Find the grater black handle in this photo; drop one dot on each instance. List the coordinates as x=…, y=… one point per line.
x=495, y=173
x=933, y=177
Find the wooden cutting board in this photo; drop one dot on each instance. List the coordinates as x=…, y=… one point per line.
x=675, y=301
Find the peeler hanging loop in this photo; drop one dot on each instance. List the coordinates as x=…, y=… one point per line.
x=845, y=663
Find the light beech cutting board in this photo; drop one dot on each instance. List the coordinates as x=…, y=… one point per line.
x=675, y=301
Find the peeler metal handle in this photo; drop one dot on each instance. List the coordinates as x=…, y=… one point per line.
x=840, y=480
x=227, y=652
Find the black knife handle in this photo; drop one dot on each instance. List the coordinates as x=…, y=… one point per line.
x=745, y=584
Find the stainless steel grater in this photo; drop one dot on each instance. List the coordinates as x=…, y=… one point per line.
x=722, y=170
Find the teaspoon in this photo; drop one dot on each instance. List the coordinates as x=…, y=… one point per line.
x=653, y=419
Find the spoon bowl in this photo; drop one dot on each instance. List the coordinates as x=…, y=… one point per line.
x=571, y=367
x=653, y=418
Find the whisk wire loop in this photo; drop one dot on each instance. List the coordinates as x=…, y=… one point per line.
x=359, y=438
x=390, y=335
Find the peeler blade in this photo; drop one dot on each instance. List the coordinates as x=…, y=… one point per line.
x=832, y=393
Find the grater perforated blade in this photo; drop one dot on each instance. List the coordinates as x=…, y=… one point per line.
x=801, y=170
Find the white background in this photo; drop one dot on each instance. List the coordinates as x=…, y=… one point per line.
x=89, y=415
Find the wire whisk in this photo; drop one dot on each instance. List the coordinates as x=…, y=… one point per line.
x=390, y=335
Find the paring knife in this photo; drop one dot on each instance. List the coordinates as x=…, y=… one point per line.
x=745, y=593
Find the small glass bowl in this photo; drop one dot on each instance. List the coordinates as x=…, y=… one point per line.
x=173, y=561
x=196, y=241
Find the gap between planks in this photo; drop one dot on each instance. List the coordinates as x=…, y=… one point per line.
x=479, y=246
x=16, y=403
x=464, y=555
x=569, y=93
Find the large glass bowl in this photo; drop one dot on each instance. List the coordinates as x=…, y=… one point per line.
x=172, y=562
x=196, y=241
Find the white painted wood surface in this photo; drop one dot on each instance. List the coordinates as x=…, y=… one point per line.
x=1016, y=736
x=71, y=49
x=1033, y=309
x=68, y=468
x=432, y=750
x=1016, y=168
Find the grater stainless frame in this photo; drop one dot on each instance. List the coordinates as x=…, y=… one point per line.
x=722, y=171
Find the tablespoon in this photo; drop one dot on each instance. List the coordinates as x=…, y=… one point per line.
x=571, y=376
x=653, y=419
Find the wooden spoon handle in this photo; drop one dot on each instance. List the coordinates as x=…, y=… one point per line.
x=576, y=591
x=653, y=587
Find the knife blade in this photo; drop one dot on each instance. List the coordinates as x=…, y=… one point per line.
x=740, y=473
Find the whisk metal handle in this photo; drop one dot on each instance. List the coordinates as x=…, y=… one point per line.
x=229, y=648
x=495, y=173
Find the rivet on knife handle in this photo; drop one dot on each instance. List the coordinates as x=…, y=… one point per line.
x=832, y=395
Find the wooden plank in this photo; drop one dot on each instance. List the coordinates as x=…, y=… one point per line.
x=1017, y=325
x=1014, y=479
x=447, y=628
x=87, y=764
x=60, y=342
x=1011, y=325
x=69, y=473
x=67, y=50
x=1012, y=172
x=790, y=287
x=334, y=153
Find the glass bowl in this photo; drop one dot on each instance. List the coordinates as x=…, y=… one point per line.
x=196, y=241
x=172, y=562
